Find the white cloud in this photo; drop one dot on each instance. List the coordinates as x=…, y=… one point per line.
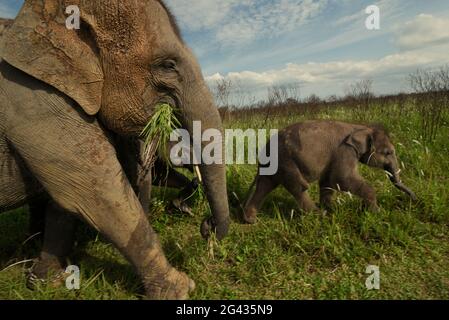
x=337, y=73
x=235, y=22
x=423, y=30
x=269, y=20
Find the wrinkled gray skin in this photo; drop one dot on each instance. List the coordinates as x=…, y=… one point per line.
x=327, y=151
x=4, y=23
x=62, y=95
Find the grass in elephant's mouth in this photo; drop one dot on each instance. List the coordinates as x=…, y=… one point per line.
x=159, y=128
x=285, y=255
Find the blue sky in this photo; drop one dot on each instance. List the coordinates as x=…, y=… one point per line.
x=321, y=44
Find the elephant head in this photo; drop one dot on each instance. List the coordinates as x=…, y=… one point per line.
x=375, y=149
x=125, y=58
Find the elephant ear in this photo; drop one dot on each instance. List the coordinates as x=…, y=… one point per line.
x=40, y=44
x=361, y=141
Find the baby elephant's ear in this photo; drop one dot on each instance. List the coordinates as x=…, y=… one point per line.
x=362, y=141
x=40, y=44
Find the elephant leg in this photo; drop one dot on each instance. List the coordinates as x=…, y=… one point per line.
x=189, y=189
x=166, y=176
x=356, y=185
x=72, y=157
x=17, y=184
x=305, y=203
x=264, y=185
x=37, y=208
x=59, y=239
x=295, y=185
x=176, y=179
x=130, y=154
x=144, y=193
x=326, y=194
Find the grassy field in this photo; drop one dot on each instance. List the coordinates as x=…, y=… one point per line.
x=286, y=255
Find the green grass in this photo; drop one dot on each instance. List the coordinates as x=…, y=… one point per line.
x=286, y=255
x=158, y=130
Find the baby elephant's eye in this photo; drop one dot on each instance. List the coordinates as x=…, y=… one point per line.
x=388, y=152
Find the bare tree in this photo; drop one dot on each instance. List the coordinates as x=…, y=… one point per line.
x=223, y=91
x=313, y=99
x=362, y=91
x=283, y=94
x=294, y=91
x=432, y=98
x=359, y=94
x=240, y=95
x=277, y=95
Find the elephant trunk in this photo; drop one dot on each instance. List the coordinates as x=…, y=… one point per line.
x=214, y=181
x=204, y=111
x=393, y=170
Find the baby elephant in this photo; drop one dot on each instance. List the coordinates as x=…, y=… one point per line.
x=327, y=151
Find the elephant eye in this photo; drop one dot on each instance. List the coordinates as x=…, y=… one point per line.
x=169, y=65
x=388, y=152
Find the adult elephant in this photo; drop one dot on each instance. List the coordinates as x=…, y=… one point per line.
x=63, y=92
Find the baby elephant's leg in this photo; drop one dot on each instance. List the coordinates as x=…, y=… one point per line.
x=356, y=185
x=302, y=197
x=295, y=183
x=264, y=185
x=327, y=191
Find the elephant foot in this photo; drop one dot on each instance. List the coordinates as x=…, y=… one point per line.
x=182, y=207
x=175, y=285
x=327, y=207
x=250, y=216
x=46, y=272
x=374, y=208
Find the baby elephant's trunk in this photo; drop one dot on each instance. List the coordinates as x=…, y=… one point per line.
x=396, y=180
